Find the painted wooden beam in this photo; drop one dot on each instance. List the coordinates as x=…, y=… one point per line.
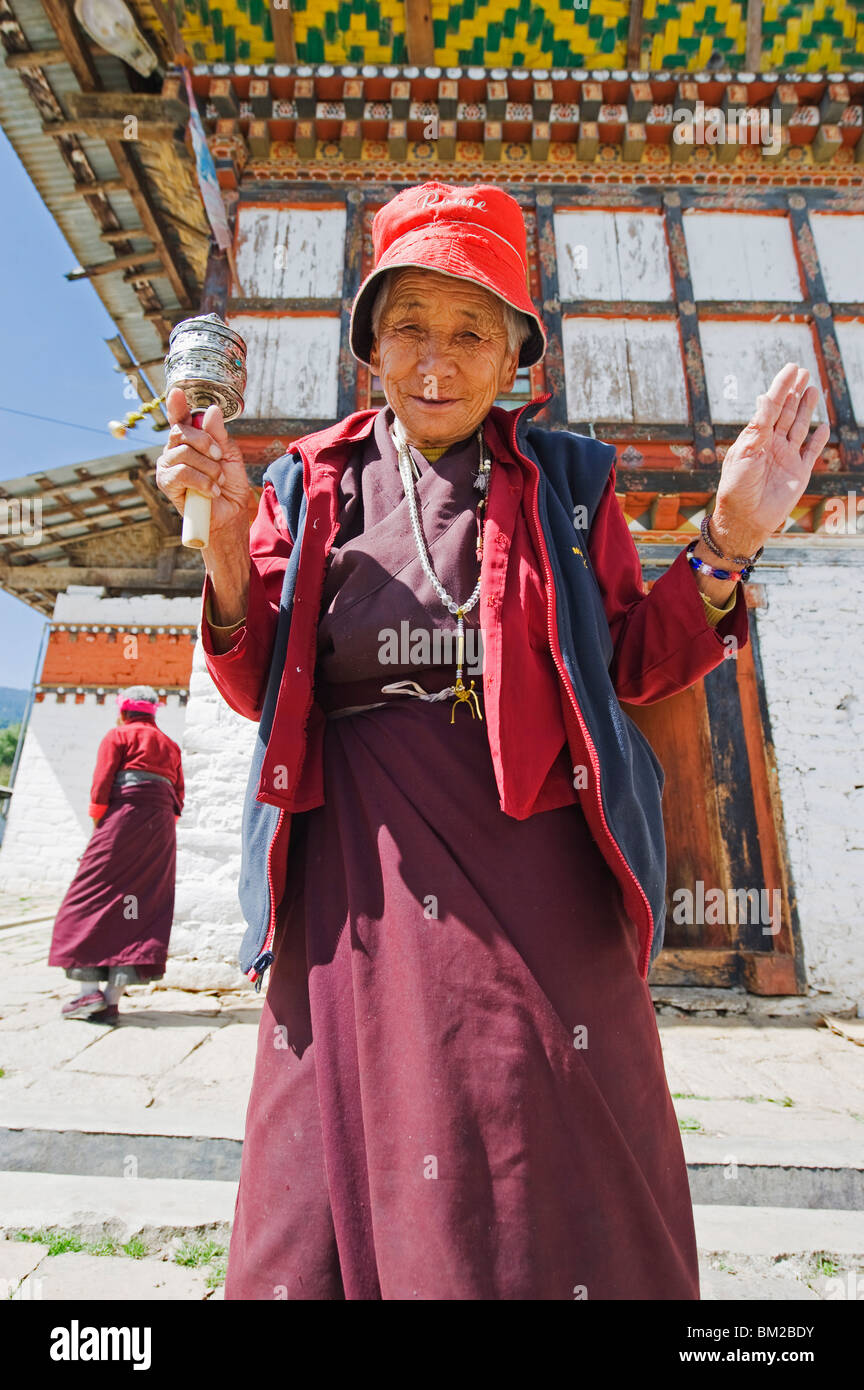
x=753, y=52
x=282, y=24
x=634, y=36
x=694, y=365
x=419, y=38
x=851, y=442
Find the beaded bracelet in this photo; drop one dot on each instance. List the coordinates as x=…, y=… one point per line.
x=701, y=567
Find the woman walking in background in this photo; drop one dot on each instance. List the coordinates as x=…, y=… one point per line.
x=114, y=923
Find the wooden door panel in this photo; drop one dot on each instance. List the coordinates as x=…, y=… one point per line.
x=723, y=824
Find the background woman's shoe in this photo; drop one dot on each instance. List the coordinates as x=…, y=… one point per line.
x=85, y=1006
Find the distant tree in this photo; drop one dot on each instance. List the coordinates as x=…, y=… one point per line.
x=8, y=744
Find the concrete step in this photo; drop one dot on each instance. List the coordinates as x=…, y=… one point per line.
x=154, y=1209
x=779, y=1254
x=744, y=1172
x=745, y=1253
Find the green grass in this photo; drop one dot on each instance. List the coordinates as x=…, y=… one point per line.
x=61, y=1242
x=195, y=1253
x=216, y=1274
x=103, y=1247
x=207, y=1255
x=786, y=1101
x=826, y=1266
x=688, y=1124
x=687, y=1095
x=2, y=1072
x=58, y=1242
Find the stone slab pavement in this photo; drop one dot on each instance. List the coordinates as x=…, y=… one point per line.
x=750, y=1087
x=180, y=1062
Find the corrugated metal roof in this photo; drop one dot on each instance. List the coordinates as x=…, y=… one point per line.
x=32, y=484
x=58, y=506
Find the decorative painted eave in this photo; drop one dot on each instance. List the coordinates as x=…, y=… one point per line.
x=348, y=115
x=826, y=35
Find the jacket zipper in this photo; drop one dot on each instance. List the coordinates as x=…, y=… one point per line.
x=551, y=609
x=265, y=959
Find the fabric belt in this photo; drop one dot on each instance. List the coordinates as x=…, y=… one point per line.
x=131, y=776
x=354, y=697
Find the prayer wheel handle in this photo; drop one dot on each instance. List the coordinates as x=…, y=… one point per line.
x=196, y=508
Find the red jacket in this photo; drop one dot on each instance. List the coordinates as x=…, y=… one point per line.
x=143, y=746
x=660, y=643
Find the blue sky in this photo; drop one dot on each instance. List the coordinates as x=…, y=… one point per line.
x=53, y=362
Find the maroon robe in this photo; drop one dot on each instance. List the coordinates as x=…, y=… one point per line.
x=459, y=1091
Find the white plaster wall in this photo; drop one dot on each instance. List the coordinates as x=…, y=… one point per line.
x=87, y=604
x=208, y=924
x=812, y=639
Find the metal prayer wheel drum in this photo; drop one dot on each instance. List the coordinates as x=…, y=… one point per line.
x=207, y=360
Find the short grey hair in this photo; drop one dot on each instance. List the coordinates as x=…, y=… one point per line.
x=517, y=325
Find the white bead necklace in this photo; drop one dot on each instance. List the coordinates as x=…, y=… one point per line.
x=407, y=468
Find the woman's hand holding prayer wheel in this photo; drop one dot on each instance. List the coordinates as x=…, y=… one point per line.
x=203, y=460
x=209, y=462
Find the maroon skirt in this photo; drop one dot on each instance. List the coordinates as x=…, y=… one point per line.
x=459, y=1090
x=119, y=907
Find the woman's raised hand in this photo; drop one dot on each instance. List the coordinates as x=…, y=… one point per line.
x=767, y=468
x=204, y=460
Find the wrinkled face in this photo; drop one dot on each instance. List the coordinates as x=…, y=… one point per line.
x=441, y=355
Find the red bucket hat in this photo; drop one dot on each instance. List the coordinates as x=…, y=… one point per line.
x=474, y=233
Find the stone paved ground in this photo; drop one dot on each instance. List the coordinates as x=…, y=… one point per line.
x=748, y=1088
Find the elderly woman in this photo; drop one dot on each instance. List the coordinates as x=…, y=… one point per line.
x=114, y=923
x=453, y=847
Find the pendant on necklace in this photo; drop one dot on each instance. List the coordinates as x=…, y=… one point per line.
x=464, y=694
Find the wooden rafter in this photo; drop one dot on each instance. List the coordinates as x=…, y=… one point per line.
x=54, y=528
x=124, y=524
x=163, y=518
x=97, y=186
x=91, y=272
x=124, y=233
x=136, y=371
x=44, y=58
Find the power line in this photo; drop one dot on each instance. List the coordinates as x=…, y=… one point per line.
x=49, y=420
